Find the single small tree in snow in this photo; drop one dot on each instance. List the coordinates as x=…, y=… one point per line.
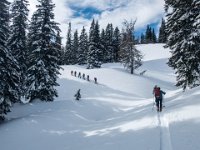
x=130, y=56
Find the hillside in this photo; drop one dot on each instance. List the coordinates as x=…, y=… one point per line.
x=115, y=114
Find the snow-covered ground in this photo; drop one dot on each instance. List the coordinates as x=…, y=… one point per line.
x=115, y=114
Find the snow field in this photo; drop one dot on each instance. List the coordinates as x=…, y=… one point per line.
x=115, y=114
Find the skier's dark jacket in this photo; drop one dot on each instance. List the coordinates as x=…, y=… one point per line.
x=161, y=94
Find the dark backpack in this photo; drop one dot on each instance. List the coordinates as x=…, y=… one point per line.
x=157, y=92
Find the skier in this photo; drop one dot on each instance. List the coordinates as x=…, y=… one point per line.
x=158, y=93
x=75, y=73
x=78, y=94
x=95, y=80
x=84, y=76
x=79, y=75
x=72, y=72
x=88, y=78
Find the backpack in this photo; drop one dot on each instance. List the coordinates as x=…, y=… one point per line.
x=157, y=92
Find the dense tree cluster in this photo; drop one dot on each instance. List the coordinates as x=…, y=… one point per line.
x=94, y=47
x=29, y=53
x=149, y=36
x=97, y=47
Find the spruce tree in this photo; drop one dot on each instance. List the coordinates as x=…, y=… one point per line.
x=184, y=41
x=142, y=39
x=162, y=32
x=95, y=51
x=9, y=77
x=130, y=56
x=44, y=55
x=75, y=46
x=103, y=43
x=116, y=44
x=83, y=47
x=154, y=38
x=58, y=44
x=70, y=56
x=148, y=35
x=109, y=43
x=17, y=41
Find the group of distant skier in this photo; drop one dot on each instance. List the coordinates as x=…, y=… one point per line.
x=158, y=93
x=83, y=76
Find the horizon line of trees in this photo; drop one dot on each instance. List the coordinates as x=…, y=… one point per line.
x=150, y=36
x=96, y=47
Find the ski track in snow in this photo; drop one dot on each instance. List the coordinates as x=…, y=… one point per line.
x=165, y=138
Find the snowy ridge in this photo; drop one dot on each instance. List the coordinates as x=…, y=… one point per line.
x=115, y=114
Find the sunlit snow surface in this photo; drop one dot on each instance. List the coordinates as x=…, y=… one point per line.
x=115, y=114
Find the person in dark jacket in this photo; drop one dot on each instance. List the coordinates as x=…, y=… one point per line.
x=78, y=94
x=79, y=75
x=159, y=100
x=88, y=78
x=95, y=80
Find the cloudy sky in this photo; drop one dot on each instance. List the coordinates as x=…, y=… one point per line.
x=81, y=12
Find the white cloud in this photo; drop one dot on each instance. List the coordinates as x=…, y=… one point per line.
x=114, y=11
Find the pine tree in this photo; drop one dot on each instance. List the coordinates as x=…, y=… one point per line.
x=109, y=43
x=9, y=78
x=95, y=49
x=103, y=43
x=184, y=41
x=148, y=35
x=83, y=47
x=154, y=38
x=17, y=41
x=44, y=55
x=142, y=39
x=130, y=56
x=116, y=44
x=162, y=33
x=75, y=46
x=70, y=56
x=58, y=44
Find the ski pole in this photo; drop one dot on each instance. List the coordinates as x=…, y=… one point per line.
x=153, y=103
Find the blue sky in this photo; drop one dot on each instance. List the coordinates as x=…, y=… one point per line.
x=86, y=12
x=81, y=12
x=115, y=11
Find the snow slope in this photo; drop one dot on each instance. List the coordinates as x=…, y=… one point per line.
x=115, y=114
